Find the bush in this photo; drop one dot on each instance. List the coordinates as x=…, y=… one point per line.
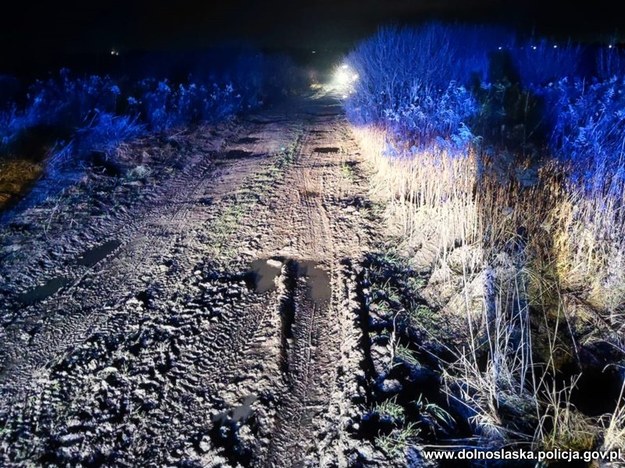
x=539, y=62
x=415, y=80
x=588, y=130
x=66, y=101
x=106, y=132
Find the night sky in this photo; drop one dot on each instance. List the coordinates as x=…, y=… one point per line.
x=35, y=31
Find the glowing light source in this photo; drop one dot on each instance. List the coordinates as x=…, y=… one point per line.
x=344, y=80
x=114, y=52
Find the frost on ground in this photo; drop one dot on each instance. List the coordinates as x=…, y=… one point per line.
x=200, y=306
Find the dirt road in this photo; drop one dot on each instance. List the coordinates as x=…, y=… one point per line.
x=199, y=309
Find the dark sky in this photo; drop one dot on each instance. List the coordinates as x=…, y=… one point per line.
x=35, y=30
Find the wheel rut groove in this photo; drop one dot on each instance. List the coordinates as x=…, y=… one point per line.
x=211, y=320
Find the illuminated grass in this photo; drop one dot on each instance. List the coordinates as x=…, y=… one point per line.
x=389, y=409
x=395, y=443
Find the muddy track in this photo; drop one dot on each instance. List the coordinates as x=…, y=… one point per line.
x=208, y=317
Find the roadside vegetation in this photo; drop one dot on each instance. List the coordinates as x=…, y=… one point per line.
x=496, y=320
x=58, y=125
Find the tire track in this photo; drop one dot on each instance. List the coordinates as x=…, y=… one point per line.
x=165, y=353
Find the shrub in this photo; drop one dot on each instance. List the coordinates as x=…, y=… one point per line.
x=588, y=130
x=415, y=80
x=539, y=62
x=66, y=101
x=105, y=132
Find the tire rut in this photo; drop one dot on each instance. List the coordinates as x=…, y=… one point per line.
x=162, y=350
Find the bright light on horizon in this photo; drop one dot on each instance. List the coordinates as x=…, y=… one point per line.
x=343, y=80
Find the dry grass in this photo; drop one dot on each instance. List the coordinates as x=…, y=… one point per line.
x=538, y=243
x=561, y=426
x=589, y=246
x=429, y=197
x=614, y=434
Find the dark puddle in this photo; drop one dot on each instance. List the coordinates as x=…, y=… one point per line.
x=237, y=413
x=96, y=254
x=240, y=154
x=318, y=281
x=327, y=149
x=246, y=140
x=44, y=291
x=263, y=272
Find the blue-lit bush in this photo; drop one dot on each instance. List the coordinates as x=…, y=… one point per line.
x=416, y=81
x=539, y=62
x=74, y=121
x=61, y=102
x=448, y=85
x=12, y=124
x=65, y=101
x=436, y=118
x=105, y=132
x=588, y=129
x=163, y=105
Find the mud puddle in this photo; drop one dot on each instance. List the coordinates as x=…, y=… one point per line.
x=318, y=281
x=263, y=274
x=44, y=291
x=237, y=413
x=96, y=254
x=327, y=149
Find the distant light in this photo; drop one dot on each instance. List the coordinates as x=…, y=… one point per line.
x=534, y=47
x=345, y=77
x=610, y=46
x=344, y=80
x=114, y=52
x=500, y=47
x=314, y=51
x=555, y=46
